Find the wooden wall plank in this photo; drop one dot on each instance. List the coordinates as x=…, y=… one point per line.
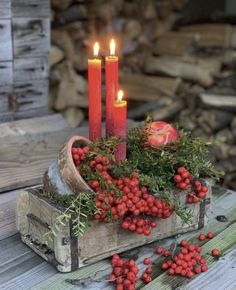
x=5, y=40
x=4, y=91
x=34, y=8
x=5, y=73
x=5, y=9
x=27, y=69
x=31, y=37
x=30, y=95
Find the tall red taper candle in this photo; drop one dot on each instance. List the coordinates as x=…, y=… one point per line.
x=111, y=66
x=95, y=95
x=120, y=116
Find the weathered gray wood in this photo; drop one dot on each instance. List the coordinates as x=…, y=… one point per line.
x=5, y=40
x=224, y=204
x=5, y=73
x=28, y=154
x=44, y=276
x=30, y=69
x=219, y=101
x=221, y=276
x=34, y=216
x=31, y=37
x=30, y=8
x=4, y=91
x=30, y=95
x=5, y=9
x=7, y=214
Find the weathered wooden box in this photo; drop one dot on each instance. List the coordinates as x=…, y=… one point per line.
x=35, y=214
x=24, y=50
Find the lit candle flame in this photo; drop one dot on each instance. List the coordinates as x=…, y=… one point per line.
x=112, y=47
x=120, y=95
x=96, y=49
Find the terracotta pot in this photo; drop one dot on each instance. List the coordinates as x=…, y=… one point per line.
x=62, y=176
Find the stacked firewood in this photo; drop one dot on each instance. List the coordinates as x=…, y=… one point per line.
x=173, y=68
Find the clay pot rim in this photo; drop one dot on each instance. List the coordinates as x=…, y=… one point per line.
x=69, y=146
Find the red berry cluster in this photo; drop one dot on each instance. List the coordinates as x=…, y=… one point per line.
x=124, y=273
x=132, y=200
x=184, y=180
x=203, y=236
x=138, y=225
x=78, y=154
x=163, y=252
x=200, y=191
x=187, y=262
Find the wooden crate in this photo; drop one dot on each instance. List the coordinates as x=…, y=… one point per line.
x=24, y=50
x=35, y=214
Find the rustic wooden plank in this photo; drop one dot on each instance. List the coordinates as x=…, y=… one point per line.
x=175, y=43
x=225, y=241
x=30, y=69
x=31, y=37
x=17, y=257
x=27, y=156
x=148, y=88
x=224, y=204
x=221, y=276
x=32, y=8
x=4, y=91
x=6, y=73
x=5, y=9
x=29, y=95
x=7, y=214
x=5, y=40
x=218, y=101
x=39, y=273
x=13, y=131
x=211, y=34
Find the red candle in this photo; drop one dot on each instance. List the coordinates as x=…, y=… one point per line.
x=120, y=116
x=95, y=96
x=111, y=67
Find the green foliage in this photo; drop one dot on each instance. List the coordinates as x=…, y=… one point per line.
x=81, y=208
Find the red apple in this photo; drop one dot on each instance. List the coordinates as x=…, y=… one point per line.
x=161, y=133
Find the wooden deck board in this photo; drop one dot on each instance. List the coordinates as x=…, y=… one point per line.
x=222, y=276
x=55, y=280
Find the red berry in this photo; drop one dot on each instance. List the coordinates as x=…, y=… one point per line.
x=164, y=266
x=203, y=261
x=197, y=270
x=184, y=243
x=190, y=274
x=204, y=268
x=166, y=253
x=159, y=250
x=177, y=178
x=181, y=170
x=171, y=272
x=202, y=237
x=183, y=185
x=146, y=261
x=184, y=251
x=144, y=276
x=148, y=280
x=215, y=252
x=191, y=247
x=119, y=287
x=210, y=235
x=199, y=249
x=149, y=270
